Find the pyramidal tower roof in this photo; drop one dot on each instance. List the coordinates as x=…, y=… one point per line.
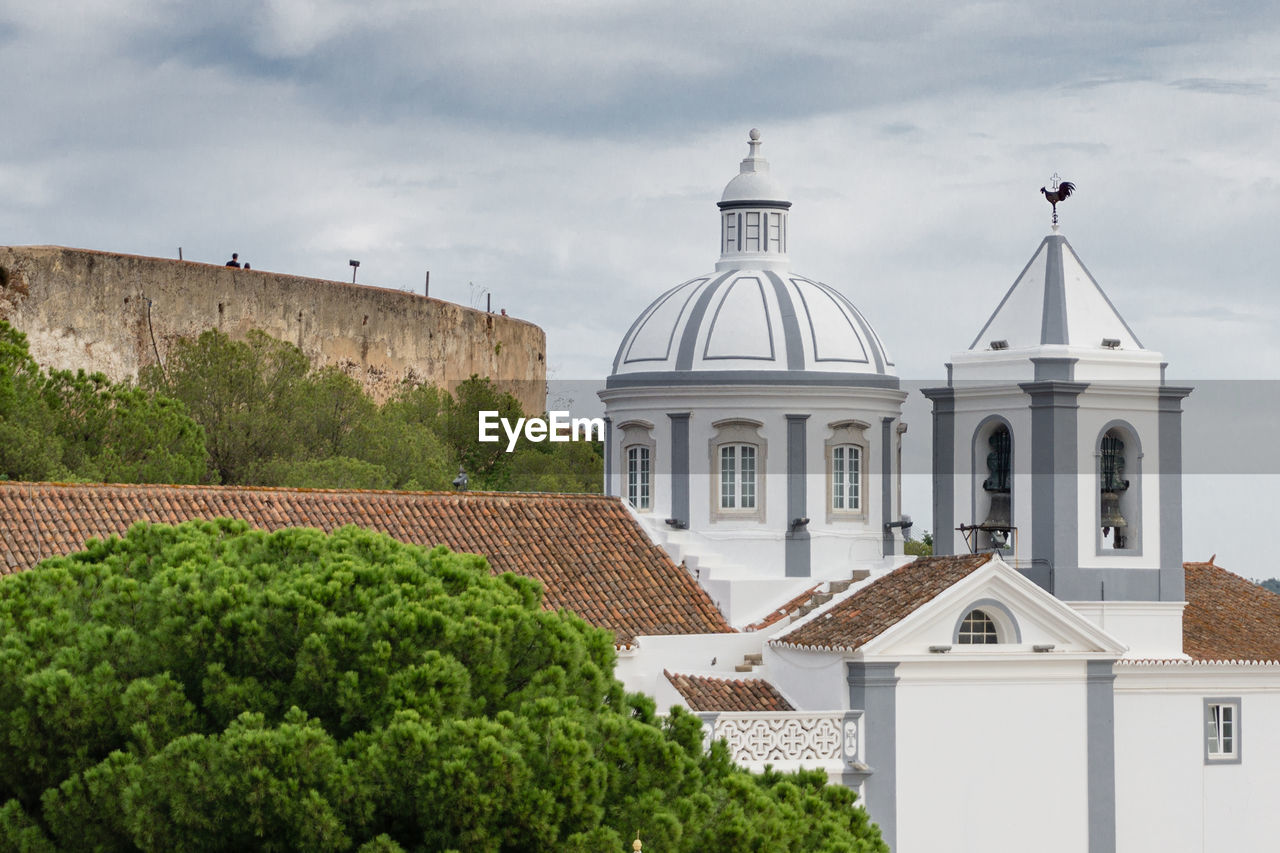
x=1056, y=312
x=1055, y=301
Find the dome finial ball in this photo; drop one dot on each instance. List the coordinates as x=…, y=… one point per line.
x=754, y=134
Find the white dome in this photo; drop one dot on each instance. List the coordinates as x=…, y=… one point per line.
x=752, y=321
x=752, y=326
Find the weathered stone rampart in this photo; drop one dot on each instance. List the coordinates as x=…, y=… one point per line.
x=116, y=313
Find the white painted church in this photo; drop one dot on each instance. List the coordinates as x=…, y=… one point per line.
x=1056, y=679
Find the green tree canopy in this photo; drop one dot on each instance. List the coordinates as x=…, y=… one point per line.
x=208, y=687
x=922, y=547
x=246, y=395
x=270, y=419
x=81, y=426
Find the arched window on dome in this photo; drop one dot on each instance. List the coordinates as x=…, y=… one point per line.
x=846, y=455
x=1119, y=489
x=638, y=450
x=738, y=453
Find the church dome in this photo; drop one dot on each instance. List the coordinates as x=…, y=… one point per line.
x=752, y=320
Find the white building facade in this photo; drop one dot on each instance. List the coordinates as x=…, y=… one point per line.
x=1032, y=687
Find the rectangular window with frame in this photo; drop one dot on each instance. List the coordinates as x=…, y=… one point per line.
x=846, y=477
x=728, y=476
x=639, y=484
x=774, y=236
x=1222, y=731
x=737, y=476
x=730, y=232
x=747, y=481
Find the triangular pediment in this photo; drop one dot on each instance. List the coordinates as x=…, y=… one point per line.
x=1028, y=620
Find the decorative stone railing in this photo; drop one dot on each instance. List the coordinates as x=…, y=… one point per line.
x=825, y=739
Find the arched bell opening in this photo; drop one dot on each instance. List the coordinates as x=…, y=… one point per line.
x=1118, y=489
x=993, y=522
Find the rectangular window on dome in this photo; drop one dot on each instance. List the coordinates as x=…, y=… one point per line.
x=774, y=235
x=753, y=232
x=730, y=232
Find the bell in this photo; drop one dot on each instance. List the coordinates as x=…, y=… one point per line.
x=1000, y=516
x=1111, y=516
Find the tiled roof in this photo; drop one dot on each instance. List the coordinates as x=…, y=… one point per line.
x=720, y=694
x=1228, y=618
x=780, y=613
x=883, y=603
x=587, y=550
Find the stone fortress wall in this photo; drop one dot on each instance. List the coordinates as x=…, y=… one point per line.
x=116, y=313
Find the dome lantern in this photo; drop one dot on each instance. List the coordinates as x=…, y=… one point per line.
x=753, y=215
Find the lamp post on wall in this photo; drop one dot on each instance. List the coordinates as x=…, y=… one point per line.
x=355, y=265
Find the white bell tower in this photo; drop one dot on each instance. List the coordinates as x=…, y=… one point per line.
x=1058, y=442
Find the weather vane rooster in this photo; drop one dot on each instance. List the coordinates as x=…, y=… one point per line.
x=1060, y=192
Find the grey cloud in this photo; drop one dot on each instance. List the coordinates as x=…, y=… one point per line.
x=1218, y=86
x=616, y=70
x=899, y=128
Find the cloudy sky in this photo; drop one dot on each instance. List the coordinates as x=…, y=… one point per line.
x=565, y=156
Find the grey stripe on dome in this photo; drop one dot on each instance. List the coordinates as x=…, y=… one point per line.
x=689, y=339
x=868, y=335
x=644, y=316
x=790, y=324
x=668, y=378
x=634, y=333
x=808, y=311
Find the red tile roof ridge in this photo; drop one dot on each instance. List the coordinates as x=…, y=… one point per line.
x=590, y=555
x=836, y=599
x=748, y=695
x=866, y=610
x=782, y=612
x=222, y=487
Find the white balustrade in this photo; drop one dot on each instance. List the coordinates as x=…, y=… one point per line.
x=811, y=739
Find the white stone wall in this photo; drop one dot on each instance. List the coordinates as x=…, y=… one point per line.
x=991, y=757
x=1167, y=798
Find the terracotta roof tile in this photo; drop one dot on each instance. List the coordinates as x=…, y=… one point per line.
x=589, y=553
x=702, y=693
x=1228, y=618
x=780, y=613
x=881, y=604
